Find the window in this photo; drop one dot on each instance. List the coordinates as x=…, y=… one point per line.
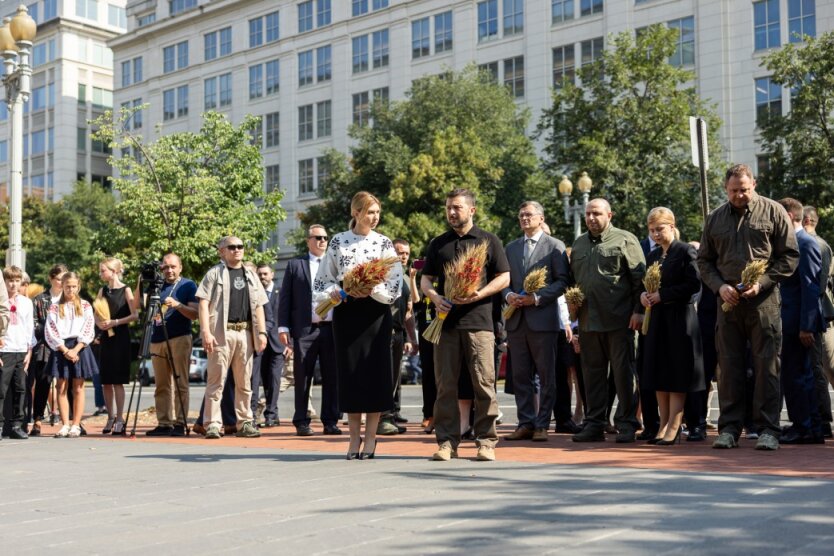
x=256, y=32
x=256, y=81
x=86, y=8
x=802, y=19
x=169, y=105
x=100, y=147
x=305, y=122
x=380, y=56
x=126, y=74
x=256, y=133
x=380, y=95
x=443, y=32
x=272, y=27
x=38, y=142
x=116, y=16
x=360, y=54
x=137, y=69
x=102, y=98
x=225, y=89
x=142, y=21
x=323, y=64
x=514, y=75
x=685, y=52
x=768, y=100
x=513, y=17
x=766, y=24
x=324, y=116
x=210, y=46
x=33, y=12
x=210, y=93
x=305, y=68
x=305, y=177
x=590, y=7
x=272, y=77
x=272, y=177
x=82, y=95
x=564, y=65
x=225, y=41
x=361, y=109
x=592, y=50
x=491, y=69
x=177, y=6
x=322, y=171
x=379, y=4
x=305, y=16
x=182, y=55
x=322, y=12
x=223, y=37
x=182, y=100
x=420, y=38
x=38, y=98
x=175, y=57
x=137, y=116
x=359, y=7
x=271, y=129
x=487, y=20
x=102, y=56
x=50, y=9
x=561, y=10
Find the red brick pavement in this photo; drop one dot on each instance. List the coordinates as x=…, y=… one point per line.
x=788, y=461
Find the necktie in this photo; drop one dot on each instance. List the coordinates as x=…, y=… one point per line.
x=530, y=244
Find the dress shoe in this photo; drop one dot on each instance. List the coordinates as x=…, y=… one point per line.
x=540, y=435
x=671, y=441
x=793, y=436
x=521, y=433
x=611, y=429
x=647, y=434
x=428, y=425
x=589, y=434
x=332, y=429
x=198, y=428
x=357, y=454
x=18, y=433
x=178, y=430
x=826, y=430
x=36, y=430
x=399, y=418
x=161, y=430
x=84, y=431
x=625, y=437
x=303, y=430
x=368, y=455
x=696, y=434
x=270, y=423
x=567, y=427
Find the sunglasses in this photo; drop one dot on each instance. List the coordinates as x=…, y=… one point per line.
x=318, y=238
x=238, y=247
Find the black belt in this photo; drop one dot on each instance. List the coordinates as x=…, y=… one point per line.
x=321, y=324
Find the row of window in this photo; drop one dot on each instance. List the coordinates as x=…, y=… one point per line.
x=767, y=24
x=421, y=35
x=88, y=9
x=102, y=98
x=50, y=10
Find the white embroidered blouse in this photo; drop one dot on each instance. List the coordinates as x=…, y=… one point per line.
x=70, y=326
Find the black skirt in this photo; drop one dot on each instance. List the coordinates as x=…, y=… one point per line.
x=61, y=367
x=362, y=336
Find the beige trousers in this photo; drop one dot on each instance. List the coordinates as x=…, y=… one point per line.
x=166, y=398
x=236, y=354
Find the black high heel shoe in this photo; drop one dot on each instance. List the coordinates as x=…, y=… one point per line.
x=355, y=455
x=654, y=440
x=676, y=440
x=368, y=455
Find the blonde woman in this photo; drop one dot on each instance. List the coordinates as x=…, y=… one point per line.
x=114, y=360
x=70, y=328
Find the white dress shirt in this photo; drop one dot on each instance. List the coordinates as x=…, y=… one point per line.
x=20, y=335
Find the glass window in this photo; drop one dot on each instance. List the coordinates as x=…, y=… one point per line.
x=38, y=98
x=87, y=9
x=102, y=98
x=272, y=27
x=169, y=109
x=82, y=96
x=487, y=20
x=182, y=55
x=50, y=9
x=513, y=17
x=380, y=40
x=380, y=95
x=561, y=10
x=802, y=19
x=360, y=54
x=768, y=100
x=305, y=16
x=323, y=63
x=137, y=69
x=420, y=38
x=361, y=109
x=168, y=59
x=144, y=20
x=256, y=32
x=359, y=7
x=272, y=177
x=38, y=142
x=305, y=68
x=443, y=32
x=589, y=7
x=271, y=129
x=564, y=65
x=592, y=50
x=305, y=122
x=323, y=16
x=38, y=55
x=272, y=77
x=225, y=89
x=256, y=80
x=177, y=6
x=137, y=116
x=324, y=111
x=514, y=75
x=210, y=46
x=305, y=177
x=685, y=52
x=182, y=100
x=126, y=74
x=492, y=70
x=225, y=41
x=116, y=16
x=379, y=4
x=766, y=24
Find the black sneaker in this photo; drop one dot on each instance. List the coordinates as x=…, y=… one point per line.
x=161, y=430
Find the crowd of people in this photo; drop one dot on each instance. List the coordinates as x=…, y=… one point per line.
x=650, y=323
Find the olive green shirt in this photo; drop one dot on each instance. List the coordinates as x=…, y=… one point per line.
x=732, y=238
x=609, y=270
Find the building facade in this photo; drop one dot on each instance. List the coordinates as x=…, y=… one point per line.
x=311, y=68
x=72, y=82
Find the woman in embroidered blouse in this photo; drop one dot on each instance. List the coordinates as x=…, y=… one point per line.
x=69, y=330
x=362, y=325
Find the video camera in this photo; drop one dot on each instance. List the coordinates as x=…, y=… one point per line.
x=151, y=278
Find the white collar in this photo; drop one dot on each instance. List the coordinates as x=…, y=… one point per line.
x=536, y=237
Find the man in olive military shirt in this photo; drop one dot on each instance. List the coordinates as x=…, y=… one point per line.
x=747, y=227
x=608, y=265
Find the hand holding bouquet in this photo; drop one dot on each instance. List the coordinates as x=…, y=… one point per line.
x=102, y=311
x=359, y=281
x=533, y=282
x=652, y=283
x=575, y=299
x=749, y=277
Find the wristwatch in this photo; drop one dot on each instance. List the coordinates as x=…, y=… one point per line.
x=262, y=333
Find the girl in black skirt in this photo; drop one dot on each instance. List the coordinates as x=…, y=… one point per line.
x=69, y=330
x=362, y=324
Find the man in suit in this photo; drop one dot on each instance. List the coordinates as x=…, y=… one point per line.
x=533, y=328
x=312, y=336
x=802, y=326
x=268, y=365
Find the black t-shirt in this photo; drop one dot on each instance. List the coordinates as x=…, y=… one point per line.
x=239, y=310
x=444, y=249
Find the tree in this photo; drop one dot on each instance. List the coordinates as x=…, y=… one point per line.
x=627, y=125
x=800, y=143
x=184, y=191
x=454, y=130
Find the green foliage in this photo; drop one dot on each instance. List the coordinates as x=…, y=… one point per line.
x=455, y=130
x=800, y=144
x=628, y=127
x=184, y=191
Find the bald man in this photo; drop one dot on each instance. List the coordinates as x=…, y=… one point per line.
x=608, y=265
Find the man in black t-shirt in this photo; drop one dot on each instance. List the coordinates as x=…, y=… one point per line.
x=467, y=336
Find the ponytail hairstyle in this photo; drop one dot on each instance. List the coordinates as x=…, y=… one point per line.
x=360, y=203
x=114, y=264
x=79, y=311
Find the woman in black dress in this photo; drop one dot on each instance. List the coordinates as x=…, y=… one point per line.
x=114, y=363
x=672, y=357
x=362, y=324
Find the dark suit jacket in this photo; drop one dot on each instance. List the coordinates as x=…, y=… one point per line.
x=295, y=298
x=801, y=309
x=549, y=253
x=271, y=316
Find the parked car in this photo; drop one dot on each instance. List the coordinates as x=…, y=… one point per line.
x=199, y=362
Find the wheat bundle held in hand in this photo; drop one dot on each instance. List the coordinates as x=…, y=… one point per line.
x=102, y=310
x=749, y=277
x=535, y=280
x=463, y=277
x=575, y=298
x=360, y=281
x=651, y=281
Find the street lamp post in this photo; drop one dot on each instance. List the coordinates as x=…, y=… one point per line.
x=575, y=211
x=16, y=36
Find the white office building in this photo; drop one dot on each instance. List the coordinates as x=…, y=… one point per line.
x=311, y=68
x=72, y=82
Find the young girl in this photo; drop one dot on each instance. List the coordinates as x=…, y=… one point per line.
x=69, y=330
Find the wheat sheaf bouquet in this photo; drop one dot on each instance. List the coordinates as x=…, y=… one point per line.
x=463, y=276
x=535, y=280
x=651, y=281
x=102, y=311
x=754, y=270
x=575, y=298
x=359, y=281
